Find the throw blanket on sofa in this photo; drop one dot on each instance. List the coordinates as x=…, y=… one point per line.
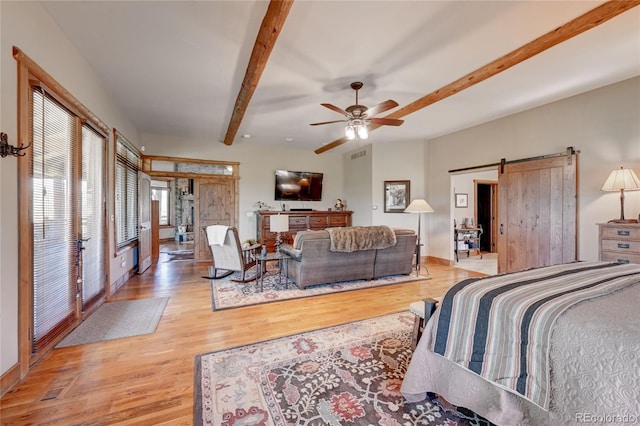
x=499, y=327
x=361, y=238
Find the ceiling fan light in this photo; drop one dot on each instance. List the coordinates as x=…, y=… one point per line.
x=363, y=133
x=350, y=132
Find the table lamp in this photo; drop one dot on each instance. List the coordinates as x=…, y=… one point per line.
x=620, y=180
x=279, y=223
x=418, y=206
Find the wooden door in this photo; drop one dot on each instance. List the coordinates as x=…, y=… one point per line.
x=144, y=222
x=215, y=204
x=537, y=217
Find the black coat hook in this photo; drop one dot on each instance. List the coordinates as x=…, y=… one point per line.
x=6, y=149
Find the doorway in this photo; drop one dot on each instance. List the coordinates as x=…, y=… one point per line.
x=486, y=213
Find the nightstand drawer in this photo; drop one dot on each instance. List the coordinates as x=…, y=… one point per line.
x=629, y=246
x=609, y=256
x=613, y=232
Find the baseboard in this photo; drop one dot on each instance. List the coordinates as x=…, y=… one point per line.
x=9, y=379
x=440, y=261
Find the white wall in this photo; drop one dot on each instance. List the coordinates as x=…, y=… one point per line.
x=366, y=169
x=358, y=168
x=603, y=124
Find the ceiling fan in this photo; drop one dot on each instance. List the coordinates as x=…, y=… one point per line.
x=359, y=116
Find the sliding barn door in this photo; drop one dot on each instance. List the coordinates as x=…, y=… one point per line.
x=537, y=215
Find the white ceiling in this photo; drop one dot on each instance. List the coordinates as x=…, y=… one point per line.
x=175, y=68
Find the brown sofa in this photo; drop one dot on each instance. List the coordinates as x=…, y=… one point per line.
x=312, y=261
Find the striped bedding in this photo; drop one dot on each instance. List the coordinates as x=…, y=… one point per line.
x=500, y=326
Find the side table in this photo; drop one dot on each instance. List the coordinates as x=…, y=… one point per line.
x=283, y=264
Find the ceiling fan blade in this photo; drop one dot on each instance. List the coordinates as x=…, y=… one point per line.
x=331, y=145
x=327, y=122
x=386, y=121
x=336, y=109
x=381, y=107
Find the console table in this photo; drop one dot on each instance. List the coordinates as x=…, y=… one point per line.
x=298, y=221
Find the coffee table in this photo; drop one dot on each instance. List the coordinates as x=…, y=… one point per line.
x=283, y=266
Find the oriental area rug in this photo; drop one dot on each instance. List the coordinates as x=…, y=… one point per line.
x=344, y=375
x=226, y=293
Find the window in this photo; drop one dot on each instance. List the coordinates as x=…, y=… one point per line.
x=126, y=187
x=160, y=192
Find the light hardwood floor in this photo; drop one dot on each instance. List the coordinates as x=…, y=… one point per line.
x=148, y=380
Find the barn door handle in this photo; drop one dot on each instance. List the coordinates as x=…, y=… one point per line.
x=501, y=229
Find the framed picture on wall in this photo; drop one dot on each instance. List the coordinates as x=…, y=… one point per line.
x=462, y=200
x=396, y=195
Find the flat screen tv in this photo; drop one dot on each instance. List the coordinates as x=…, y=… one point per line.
x=298, y=186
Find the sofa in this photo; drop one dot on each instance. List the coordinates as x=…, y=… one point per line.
x=316, y=258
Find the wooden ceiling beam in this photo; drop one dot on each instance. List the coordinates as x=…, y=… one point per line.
x=270, y=28
x=585, y=22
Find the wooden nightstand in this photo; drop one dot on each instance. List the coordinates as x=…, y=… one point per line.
x=619, y=242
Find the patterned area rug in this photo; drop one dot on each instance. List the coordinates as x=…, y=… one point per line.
x=348, y=374
x=227, y=294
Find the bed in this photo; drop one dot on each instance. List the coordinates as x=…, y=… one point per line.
x=552, y=345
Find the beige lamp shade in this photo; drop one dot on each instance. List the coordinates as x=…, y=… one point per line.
x=279, y=223
x=622, y=179
x=419, y=206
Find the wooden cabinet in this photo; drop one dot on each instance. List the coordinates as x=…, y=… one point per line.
x=619, y=242
x=298, y=221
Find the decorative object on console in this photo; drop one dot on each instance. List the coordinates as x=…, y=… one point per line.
x=622, y=179
x=279, y=223
x=419, y=206
x=261, y=205
x=6, y=149
x=339, y=205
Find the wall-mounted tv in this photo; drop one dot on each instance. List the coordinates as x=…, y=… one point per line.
x=298, y=186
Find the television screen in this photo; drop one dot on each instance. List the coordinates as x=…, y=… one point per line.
x=298, y=186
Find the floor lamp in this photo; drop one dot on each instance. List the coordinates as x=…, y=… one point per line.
x=419, y=206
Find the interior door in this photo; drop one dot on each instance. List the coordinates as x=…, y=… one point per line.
x=144, y=222
x=215, y=204
x=537, y=216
